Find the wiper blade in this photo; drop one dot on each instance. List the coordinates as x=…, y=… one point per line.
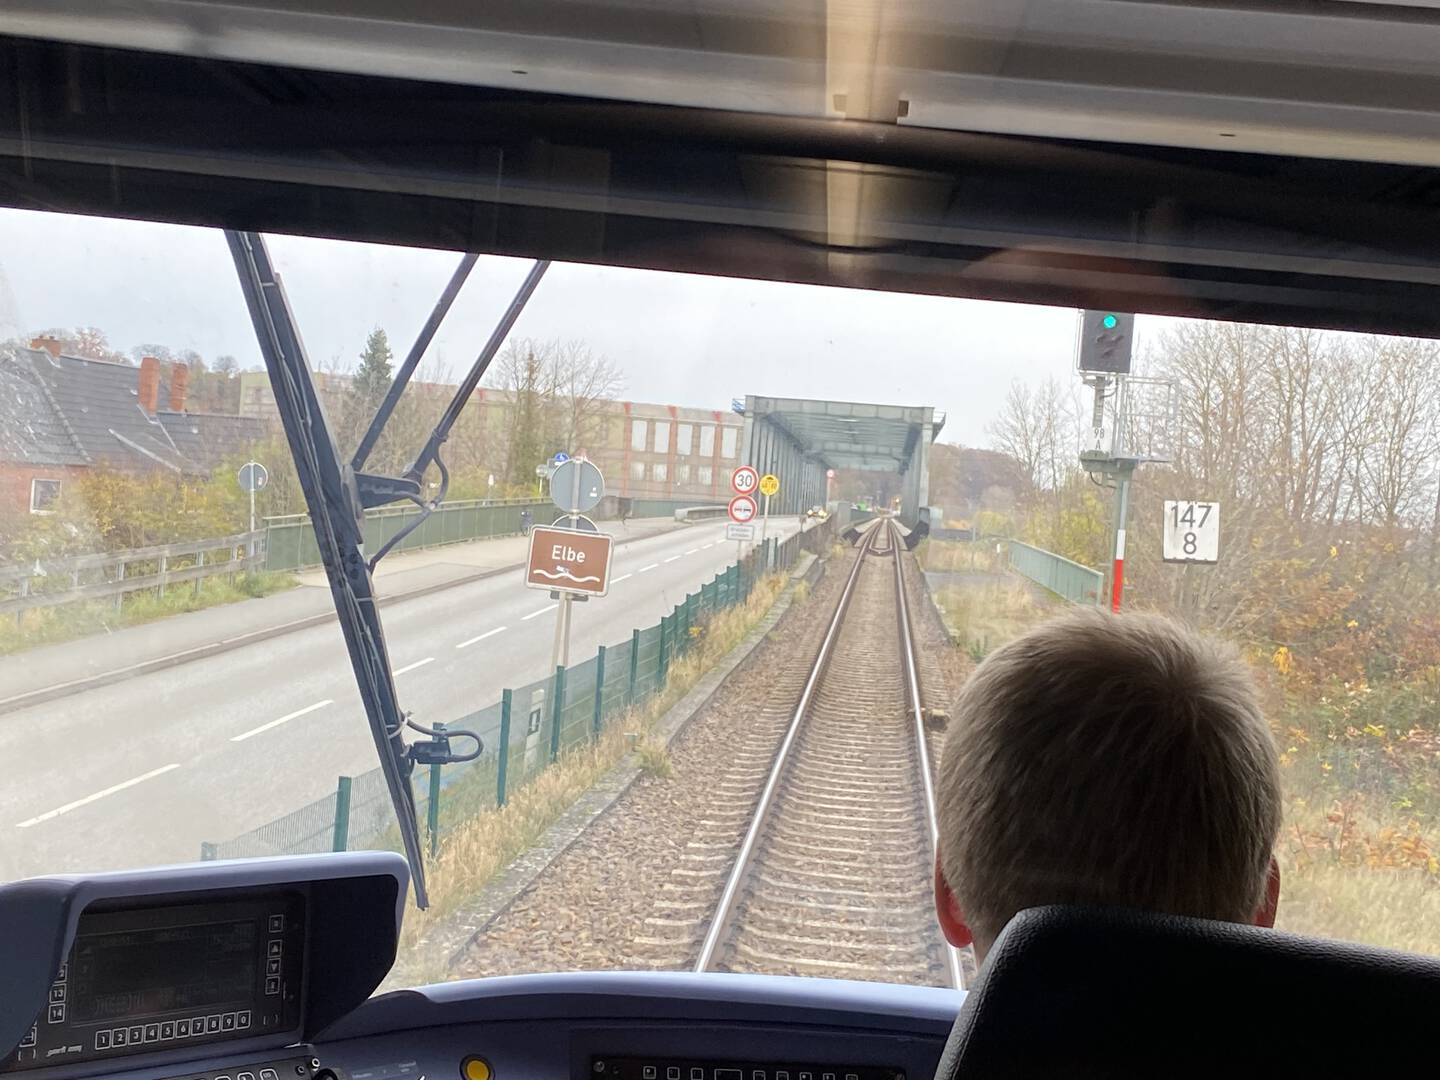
x=337, y=515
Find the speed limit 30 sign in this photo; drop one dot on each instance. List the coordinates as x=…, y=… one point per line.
x=1192, y=531
x=744, y=480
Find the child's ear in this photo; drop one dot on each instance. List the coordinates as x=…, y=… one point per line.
x=947, y=910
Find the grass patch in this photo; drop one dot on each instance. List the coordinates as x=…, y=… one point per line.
x=987, y=613
x=1349, y=875
x=654, y=758
x=481, y=845
x=49, y=626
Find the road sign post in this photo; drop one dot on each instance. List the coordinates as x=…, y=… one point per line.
x=769, y=485
x=252, y=476
x=576, y=486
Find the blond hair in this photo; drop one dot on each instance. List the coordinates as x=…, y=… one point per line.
x=1113, y=760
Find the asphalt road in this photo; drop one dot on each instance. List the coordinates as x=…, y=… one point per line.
x=138, y=773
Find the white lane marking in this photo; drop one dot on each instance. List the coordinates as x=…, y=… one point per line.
x=622, y=577
x=542, y=611
x=652, y=566
x=98, y=795
x=276, y=723
x=481, y=637
x=706, y=547
x=412, y=667
x=692, y=551
x=673, y=558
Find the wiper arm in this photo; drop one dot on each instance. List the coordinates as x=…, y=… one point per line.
x=337, y=514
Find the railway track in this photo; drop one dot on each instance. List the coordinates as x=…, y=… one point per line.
x=834, y=874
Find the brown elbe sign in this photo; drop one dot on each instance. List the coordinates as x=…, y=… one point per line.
x=566, y=561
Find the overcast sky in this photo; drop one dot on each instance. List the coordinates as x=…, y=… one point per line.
x=680, y=339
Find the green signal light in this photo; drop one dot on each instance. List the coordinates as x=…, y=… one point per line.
x=1109, y=322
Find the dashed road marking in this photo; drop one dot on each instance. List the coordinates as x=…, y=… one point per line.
x=284, y=719
x=622, y=577
x=673, y=558
x=481, y=637
x=652, y=566
x=412, y=667
x=98, y=795
x=542, y=611
x=692, y=551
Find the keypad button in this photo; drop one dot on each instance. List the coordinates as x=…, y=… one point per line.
x=245, y=1076
x=57, y=993
x=227, y=1022
x=167, y=1031
x=272, y=985
x=119, y=1037
x=277, y=923
x=30, y=1036
x=672, y=1072
x=197, y=1026
x=274, y=947
x=63, y=973
x=268, y=1074
x=137, y=1035
x=272, y=966
x=182, y=1029
x=102, y=1040
x=242, y=1019
x=152, y=1032
x=56, y=1014
x=212, y=1025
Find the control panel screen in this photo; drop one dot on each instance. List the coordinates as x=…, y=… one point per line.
x=142, y=979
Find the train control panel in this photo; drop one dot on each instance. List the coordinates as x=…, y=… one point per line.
x=265, y=970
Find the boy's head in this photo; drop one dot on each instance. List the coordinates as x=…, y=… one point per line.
x=1111, y=760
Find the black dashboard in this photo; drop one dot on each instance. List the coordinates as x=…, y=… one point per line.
x=263, y=970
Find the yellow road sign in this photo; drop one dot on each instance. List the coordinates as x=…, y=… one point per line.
x=769, y=484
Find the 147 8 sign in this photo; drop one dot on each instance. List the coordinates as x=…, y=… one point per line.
x=1192, y=531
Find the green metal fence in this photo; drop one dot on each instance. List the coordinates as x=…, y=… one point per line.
x=1067, y=580
x=290, y=541
x=530, y=727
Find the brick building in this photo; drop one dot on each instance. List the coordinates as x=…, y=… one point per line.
x=645, y=451
x=61, y=415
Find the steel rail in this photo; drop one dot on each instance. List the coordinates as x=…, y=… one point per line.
x=917, y=712
x=726, y=907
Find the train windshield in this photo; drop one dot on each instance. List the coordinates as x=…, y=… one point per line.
x=676, y=611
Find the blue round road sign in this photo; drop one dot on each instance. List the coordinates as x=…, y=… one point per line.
x=561, y=457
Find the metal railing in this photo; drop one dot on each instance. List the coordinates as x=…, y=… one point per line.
x=116, y=574
x=1066, y=579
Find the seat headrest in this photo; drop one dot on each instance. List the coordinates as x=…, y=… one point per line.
x=1088, y=992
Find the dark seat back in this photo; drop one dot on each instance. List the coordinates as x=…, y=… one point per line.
x=1082, y=993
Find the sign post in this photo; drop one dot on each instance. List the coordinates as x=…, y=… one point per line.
x=576, y=486
x=769, y=485
x=252, y=476
x=744, y=481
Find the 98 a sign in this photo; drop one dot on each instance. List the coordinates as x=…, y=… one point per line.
x=1192, y=531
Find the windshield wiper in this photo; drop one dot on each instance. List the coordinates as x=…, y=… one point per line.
x=338, y=493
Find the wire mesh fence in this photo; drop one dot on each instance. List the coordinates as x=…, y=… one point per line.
x=530, y=727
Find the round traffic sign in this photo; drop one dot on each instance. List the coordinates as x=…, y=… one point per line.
x=576, y=486
x=582, y=524
x=769, y=484
x=742, y=509
x=252, y=476
x=744, y=480
x=560, y=457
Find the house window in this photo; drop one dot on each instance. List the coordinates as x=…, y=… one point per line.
x=707, y=440
x=637, y=470
x=729, y=439
x=660, y=472
x=44, y=494
x=637, y=434
x=704, y=475
x=682, y=474
x=682, y=438
x=662, y=436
